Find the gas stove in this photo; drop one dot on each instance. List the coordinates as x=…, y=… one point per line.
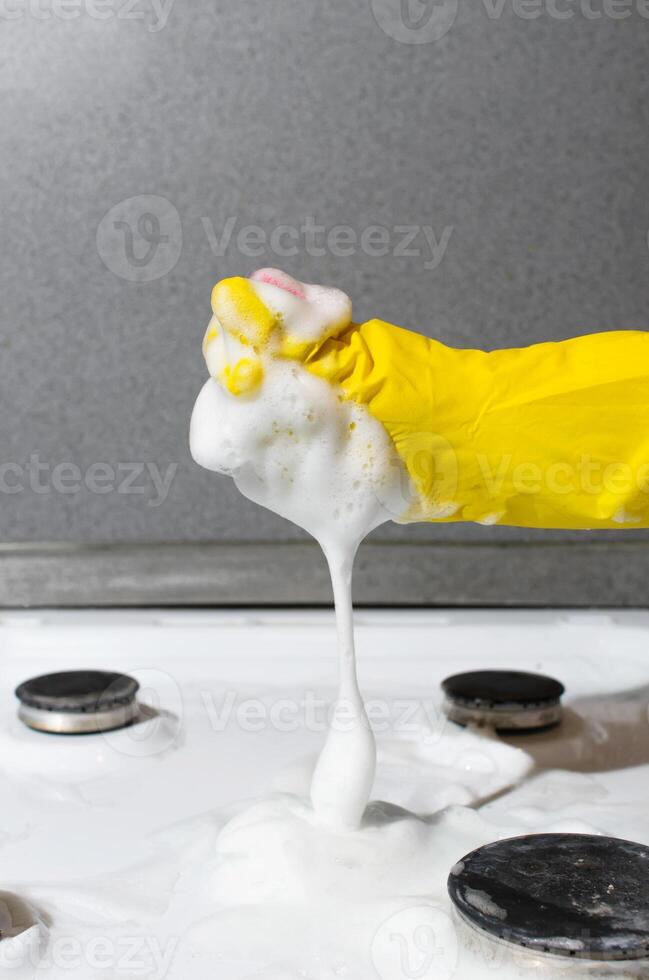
x=108, y=837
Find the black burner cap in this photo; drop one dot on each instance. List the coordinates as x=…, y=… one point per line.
x=488, y=688
x=78, y=691
x=566, y=894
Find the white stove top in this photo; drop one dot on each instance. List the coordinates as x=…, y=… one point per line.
x=104, y=837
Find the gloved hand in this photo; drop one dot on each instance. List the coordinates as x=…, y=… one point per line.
x=555, y=435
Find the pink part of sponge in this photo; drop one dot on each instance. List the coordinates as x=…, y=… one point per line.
x=274, y=277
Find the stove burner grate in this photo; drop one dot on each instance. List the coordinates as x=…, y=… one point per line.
x=508, y=700
x=78, y=702
x=565, y=894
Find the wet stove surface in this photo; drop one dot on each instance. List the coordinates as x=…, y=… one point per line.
x=108, y=841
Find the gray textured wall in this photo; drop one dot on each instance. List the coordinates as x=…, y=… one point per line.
x=523, y=131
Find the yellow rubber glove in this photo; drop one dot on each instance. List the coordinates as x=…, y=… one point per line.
x=555, y=435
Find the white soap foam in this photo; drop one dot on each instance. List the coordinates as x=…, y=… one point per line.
x=263, y=891
x=295, y=446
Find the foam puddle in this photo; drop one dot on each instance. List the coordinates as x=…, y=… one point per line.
x=264, y=891
x=271, y=896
